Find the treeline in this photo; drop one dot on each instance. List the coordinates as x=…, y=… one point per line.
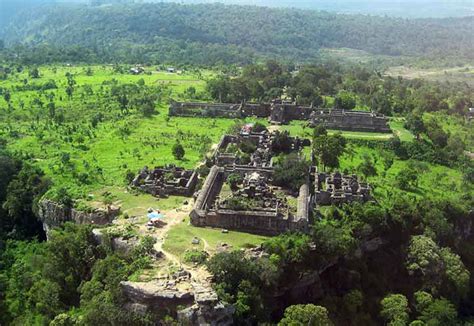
x=21, y=186
x=217, y=34
x=69, y=280
x=334, y=85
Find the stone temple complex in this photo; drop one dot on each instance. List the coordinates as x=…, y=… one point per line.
x=239, y=192
x=283, y=112
x=166, y=181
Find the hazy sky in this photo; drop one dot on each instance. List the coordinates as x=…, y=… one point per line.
x=402, y=8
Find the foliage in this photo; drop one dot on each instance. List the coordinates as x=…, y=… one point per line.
x=309, y=314
x=328, y=149
x=395, y=309
x=243, y=282
x=290, y=172
x=217, y=34
x=233, y=180
x=48, y=281
x=345, y=101
x=195, y=256
x=178, y=151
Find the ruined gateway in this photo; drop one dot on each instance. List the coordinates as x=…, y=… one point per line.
x=283, y=112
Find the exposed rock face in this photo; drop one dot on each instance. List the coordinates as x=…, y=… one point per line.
x=53, y=214
x=202, y=306
x=120, y=244
x=155, y=294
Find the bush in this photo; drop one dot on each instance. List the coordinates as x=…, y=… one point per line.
x=195, y=256
x=178, y=151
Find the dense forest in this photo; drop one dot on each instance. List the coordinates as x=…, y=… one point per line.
x=213, y=34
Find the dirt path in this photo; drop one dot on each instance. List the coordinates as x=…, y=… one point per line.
x=173, y=217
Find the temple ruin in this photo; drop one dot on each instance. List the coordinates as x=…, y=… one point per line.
x=283, y=112
x=336, y=188
x=166, y=181
x=254, y=149
x=255, y=207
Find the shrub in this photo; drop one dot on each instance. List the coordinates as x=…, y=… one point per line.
x=196, y=256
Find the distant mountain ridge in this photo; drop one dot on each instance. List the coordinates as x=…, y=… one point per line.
x=233, y=34
x=399, y=8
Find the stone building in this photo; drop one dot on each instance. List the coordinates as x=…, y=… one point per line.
x=338, y=189
x=226, y=154
x=350, y=120
x=283, y=112
x=267, y=214
x=166, y=181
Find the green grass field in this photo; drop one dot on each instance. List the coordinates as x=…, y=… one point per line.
x=435, y=181
x=301, y=129
x=118, y=144
x=179, y=239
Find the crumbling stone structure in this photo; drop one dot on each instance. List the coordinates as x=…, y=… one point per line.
x=350, y=120
x=221, y=110
x=225, y=153
x=283, y=112
x=338, y=189
x=266, y=214
x=166, y=181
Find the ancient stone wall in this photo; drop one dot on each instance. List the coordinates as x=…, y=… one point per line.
x=221, y=110
x=350, y=120
x=281, y=112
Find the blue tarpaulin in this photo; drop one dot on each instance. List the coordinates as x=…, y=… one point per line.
x=154, y=215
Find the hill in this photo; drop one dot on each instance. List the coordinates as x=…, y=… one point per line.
x=216, y=33
x=400, y=8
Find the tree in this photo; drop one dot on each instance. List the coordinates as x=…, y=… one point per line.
x=328, y=149
x=395, y=309
x=70, y=84
x=436, y=133
x=34, y=73
x=308, y=314
x=407, y=178
x=178, y=151
x=281, y=142
x=23, y=192
x=291, y=172
x=7, y=95
x=367, y=167
x=319, y=130
x=440, y=312
x=456, y=273
x=234, y=180
x=345, y=100
x=415, y=124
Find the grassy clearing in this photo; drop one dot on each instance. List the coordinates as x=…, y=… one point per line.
x=434, y=181
x=179, y=238
x=134, y=203
x=455, y=125
x=396, y=124
x=101, y=155
x=301, y=129
x=455, y=74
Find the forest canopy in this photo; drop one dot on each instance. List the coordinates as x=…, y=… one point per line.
x=218, y=34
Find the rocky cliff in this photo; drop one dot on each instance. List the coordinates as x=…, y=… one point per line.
x=53, y=214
